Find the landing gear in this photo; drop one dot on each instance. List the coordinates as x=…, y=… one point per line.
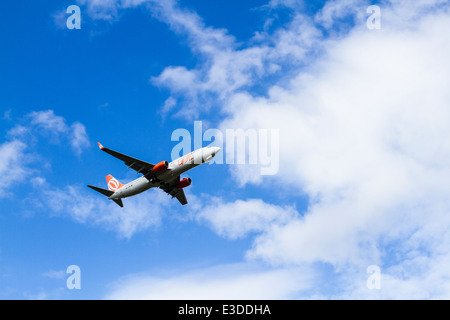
x=152, y=177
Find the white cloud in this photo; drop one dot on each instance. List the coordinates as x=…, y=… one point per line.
x=86, y=206
x=41, y=295
x=238, y=219
x=236, y=281
x=55, y=274
x=13, y=164
x=48, y=121
x=60, y=18
x=109, y=10
x=227, y=66
x=19, y=161
x=101, y=9
x=48, y=124
x=78, y=137
x=335, y=11
x=293, y=4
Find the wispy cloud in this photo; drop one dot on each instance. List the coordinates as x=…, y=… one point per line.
x=49, y=125
x=84, y=206
x=78, y=137
x=55, y=274
x=107, y=10
x=19, y=161
x=234, y=281
x=228, y=66
x=48, y=121
x=13, y=164
x=240, y=218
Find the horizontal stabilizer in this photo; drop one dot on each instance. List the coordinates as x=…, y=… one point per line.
x=105, y=192
x=118, y=201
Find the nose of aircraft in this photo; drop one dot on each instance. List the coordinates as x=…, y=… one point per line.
x=216, y=150
x=210, y=153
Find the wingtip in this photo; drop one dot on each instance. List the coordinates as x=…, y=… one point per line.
x=100, y=146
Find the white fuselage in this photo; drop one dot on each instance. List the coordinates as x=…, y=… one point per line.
x=175, y=168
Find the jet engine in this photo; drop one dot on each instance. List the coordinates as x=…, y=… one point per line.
x=160, y=167
x=184, y=183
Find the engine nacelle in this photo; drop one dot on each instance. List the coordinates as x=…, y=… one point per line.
x=160, y=167
x=186, y=182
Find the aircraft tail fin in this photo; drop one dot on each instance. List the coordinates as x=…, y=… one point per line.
x=107, y=193
x=113, y=183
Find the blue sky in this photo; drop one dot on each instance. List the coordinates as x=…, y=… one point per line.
x=362, y=149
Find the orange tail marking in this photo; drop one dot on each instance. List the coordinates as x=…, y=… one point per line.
x=113, y=183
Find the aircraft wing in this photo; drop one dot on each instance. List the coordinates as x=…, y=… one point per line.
x=180, y=195
x=138, y=165
x=171, y=189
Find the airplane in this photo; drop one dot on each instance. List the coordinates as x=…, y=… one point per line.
x=163, y=175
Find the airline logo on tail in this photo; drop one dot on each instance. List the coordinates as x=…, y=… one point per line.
x=113, y=183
